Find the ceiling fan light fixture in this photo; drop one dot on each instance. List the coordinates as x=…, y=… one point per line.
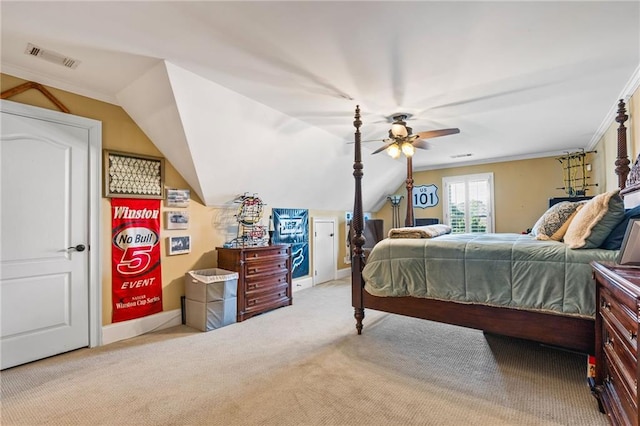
x=399, y=130
x=408, y=149
x=393, y=151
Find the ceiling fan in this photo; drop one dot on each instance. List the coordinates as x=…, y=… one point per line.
x=402, y=140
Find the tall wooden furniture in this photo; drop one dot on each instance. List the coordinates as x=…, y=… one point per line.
x=617, y=368
x=264, y=277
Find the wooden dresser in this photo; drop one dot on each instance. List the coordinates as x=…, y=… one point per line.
x=617, y=368
x=264, y=277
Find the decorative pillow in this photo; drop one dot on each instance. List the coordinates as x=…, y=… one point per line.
x=595, y=221
x=553, y=224
x=614, y=240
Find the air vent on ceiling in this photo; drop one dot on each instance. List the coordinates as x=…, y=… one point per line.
x=50, y=56
x=461, y=155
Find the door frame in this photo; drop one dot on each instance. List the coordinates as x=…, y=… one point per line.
x=333, y=220
x=94, y=131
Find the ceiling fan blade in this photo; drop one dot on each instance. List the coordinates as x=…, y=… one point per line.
x=437, y=133
x=420, y=143
x=382, y=148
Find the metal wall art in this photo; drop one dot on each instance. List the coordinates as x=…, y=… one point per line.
x=133, y=175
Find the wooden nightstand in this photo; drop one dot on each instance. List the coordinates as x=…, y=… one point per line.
x=617, y=368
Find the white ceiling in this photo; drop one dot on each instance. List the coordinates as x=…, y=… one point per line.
x=259, y=96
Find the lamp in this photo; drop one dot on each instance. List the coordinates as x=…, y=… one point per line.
x=395, y=207
x=408, y=149
x=400, y=137
x=394, y=150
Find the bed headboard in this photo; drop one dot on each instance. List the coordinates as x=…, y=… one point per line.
x=631, y=191
x=628, y=179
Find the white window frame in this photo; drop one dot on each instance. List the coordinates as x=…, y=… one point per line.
x=446, y=184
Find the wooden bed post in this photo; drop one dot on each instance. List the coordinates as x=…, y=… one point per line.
x=622, y=162
x=357, y=226
x=409, y=221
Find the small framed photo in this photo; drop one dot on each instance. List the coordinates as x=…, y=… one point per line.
x=178, y=198
x=179, y=245
x=630, y=249
x=177, y=220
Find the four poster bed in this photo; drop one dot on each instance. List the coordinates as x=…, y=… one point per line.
x=508, y=284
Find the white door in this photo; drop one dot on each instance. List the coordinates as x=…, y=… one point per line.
x=44, y=276
x=324, y=251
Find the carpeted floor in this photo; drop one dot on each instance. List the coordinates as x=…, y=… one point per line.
x=305, y=365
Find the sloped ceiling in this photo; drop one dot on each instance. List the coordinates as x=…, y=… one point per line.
x=259, y=97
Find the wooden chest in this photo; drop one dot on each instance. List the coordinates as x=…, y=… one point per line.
x=617, y=368
x=264, y=277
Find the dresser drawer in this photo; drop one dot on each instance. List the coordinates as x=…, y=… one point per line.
x=266, y=253
x=266, y=266
x=620, y=316
x=625, y=361
x=624, y=403
x=258, y=300
x=262, y=283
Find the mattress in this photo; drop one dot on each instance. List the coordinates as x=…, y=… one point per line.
x=509, y=270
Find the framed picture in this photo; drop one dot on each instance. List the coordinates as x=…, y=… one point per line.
x=179, y=245
x=630, y=249
x=133, y=175
x=177, y=198
x=177, y=220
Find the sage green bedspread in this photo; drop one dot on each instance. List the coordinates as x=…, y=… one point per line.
x=510, y=270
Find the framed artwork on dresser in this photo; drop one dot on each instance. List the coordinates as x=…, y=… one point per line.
x=630, y=249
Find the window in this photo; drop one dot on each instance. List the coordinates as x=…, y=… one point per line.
x=468, y=203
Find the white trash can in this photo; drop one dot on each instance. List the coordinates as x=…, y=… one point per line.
x=210, y=298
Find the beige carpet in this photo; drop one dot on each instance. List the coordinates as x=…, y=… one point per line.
x=305, y=365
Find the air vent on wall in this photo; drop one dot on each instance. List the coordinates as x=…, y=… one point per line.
x=50, y=56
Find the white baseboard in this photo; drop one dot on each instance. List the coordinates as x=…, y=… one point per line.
x=343, y=273
x=136, y=327
x=301, y=284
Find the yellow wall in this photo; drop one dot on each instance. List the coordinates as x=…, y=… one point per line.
x=209, y=227
x=521, y=191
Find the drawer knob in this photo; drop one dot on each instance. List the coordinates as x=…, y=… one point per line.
x=633, y=334
x=609, y=342
x=606, y=305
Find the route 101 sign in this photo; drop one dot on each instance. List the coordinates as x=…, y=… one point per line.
x=425, y=196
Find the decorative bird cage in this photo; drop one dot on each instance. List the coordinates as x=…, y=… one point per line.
x=250, y=232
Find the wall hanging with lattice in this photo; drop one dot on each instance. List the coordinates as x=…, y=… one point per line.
x=575, y=173
x=132, y=175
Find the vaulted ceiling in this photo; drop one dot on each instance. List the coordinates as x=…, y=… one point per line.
x=259, y=97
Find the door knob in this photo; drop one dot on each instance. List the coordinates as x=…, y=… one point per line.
x=79, y=247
